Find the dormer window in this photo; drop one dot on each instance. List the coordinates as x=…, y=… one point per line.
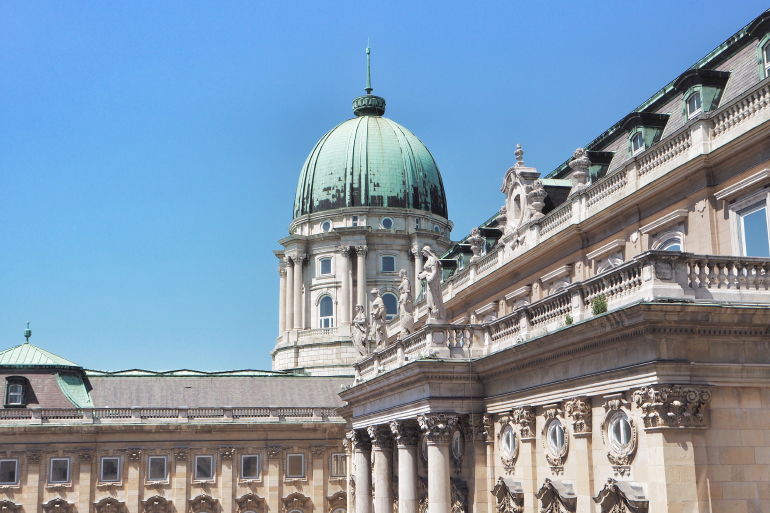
x=15, y=392
x=637, y=143
x=693, y=105
x=766, y=58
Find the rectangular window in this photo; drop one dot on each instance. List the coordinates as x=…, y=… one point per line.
x=326, y=266
x=339, y=465
x=295, y=465
x=15, y=393
x=388, y=264
x=355, y=221
x=9, y=472
x=417, y=223
x=204, y=468
x=60, y=470
x=753, y=228
x=250, y=466
x=156, y=468
x=110, y=472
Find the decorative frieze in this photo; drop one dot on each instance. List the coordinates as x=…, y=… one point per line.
x=109, y=505
x=202, y=504
x=556, y=497
x=437, y=427
x=156, y=504
x=673, y=406
x=250, y=502
x=405, y=432
x=509, y=496
x=579, y=410
x=622, y=497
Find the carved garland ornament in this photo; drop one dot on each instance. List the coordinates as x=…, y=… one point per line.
x=673, y=406
x=33, y=457
x=555, y=456
x=109, y=505
x=507, y=498
x=620, y=459
x=250, y=502
x=156, y=504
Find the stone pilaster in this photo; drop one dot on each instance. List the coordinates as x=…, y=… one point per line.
x=274, y=480
x=226, y=485
x=289, y=304
x=281, y=301
x=133, y=482
x=361, y=252
x=343, y=306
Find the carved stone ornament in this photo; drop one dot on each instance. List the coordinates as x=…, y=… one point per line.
x=109, y=505
x=458, y=495
x=476, y=241
x=555, y=456
x=250, y=502
x=622, y=497
x=673, y=406
x=580, y=164
x=181, y=454
x=536, y=200
x=509, y=449
x=525, y=418
x=58, y=505
x=381, y=437
x=362, y=250
x=405, y=432
x=295, y=501
x=337, y=500
x=509, y=496
x=422, y=495
x=556, y=497
x=481, y=427
x=33, y=457
x=520, y=205
x=227, y=453
x=579, y=410
x=134, y=454
x=619, y=457
x=7, y=506
x=273, y=453
x=156, y=504
x=360, y=439
x=85, y=454
x=437, y=427
x=318, y=451
x=202, y=504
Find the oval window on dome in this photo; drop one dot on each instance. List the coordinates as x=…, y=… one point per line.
x=387, y=223
x=326, y=226
x=436, y=228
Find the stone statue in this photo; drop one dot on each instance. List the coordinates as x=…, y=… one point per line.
x=379, y=315
x=476, y=241
x=431, y=272
x=360, y=331
x=405, y=305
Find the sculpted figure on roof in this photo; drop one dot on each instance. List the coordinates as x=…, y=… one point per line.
x=360, y=330
x=379, y=315
x=405, y=305
x=524, y=195
x=431, y=273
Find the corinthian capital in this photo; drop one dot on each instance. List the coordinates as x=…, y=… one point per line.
x=360, y=439
x=281, y=272
x=362, y=250
x=405, y=432
x=344, y=250
x=381, y=437
x=437, y=427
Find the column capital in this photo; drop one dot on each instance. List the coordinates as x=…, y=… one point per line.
x=274, y=452
x=343, y=250
x=362, y=250
x=287, y=260
x=405, y=432
x=282, y=271
x=437, y=427
x=482, y=428
x=381, y=437
x=360, y=440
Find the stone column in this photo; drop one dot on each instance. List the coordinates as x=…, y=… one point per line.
x=273, y=479
x=133, y=483
x=363, y=453
x=382, y=443
x=343, y=307
x=179, y=485
x=298, y=321
x=226, y=456
x=406, y=433
x=347, y=443
x=31, y=497
x=289, y=305
x=482, y=435
x=361, y=285
x=282, y=301
x=438, y=429
x=580, y=413
x=417, y=271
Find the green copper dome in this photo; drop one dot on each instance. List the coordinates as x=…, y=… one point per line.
x=370, y=161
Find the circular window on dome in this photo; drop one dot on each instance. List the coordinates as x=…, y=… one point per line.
x=326, y=226
x=458, y=445
x=387, y=223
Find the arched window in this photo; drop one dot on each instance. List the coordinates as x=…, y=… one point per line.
x=391, y=305
x=637, y=143
x=693, y=105
x=669, y=241
x=326, y=311
x=766, y=58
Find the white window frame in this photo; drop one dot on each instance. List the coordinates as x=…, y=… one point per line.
x=437, y=229
x=392, y=223
x=20, y=394
x=766, y=61
x=259, y=467
x=666, y=239
x=320, y=266
x=339, y=456
x=395, y=263
x=738, y=208
x=331, y=226
x=304, y=465
x=50, y=470
x=15, y=472
x=165, y=468
x=330, y=318
x=213, y=468
x=692, y=114
x=354, y=220
x=635, y=152
x=101, y=469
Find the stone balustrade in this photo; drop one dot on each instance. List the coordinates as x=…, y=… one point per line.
x=653, y=275
x=58, y=416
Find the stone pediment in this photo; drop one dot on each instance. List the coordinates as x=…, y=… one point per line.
x=296, y=501
x=202, y=504
x=58, y=505
x=509, y=495
x=7, y=506
x=156, y=504
x=557, y=497
x=250, y=502
x=622, y=497
x=338, y=500
x=109, y=505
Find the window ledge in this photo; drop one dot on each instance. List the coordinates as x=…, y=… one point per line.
x=4, y=487
x=157, y=484
x=295, y=480
x=249, y=481
x=109, y=484
x=58, y=486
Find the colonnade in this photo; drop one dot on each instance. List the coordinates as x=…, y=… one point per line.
x=379, y=440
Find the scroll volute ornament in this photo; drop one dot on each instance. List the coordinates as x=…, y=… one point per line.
x=109, y=505
x=673, y=406
x=202, y=504
x=437, y=427
x=58, y=505
x=405, y=432
x=156, y=504
x=381, y=437
x=250, y=502
x=525, y=418
x=295, y=501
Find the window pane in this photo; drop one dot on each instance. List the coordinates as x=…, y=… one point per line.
x=391, y=305
x=157, y=468
x=204, y=467
x=693, y=104
x=637, y=142
x=295, y=465
x=8, y=471
x=755, y=233
x=388, y=264
x=339, y=465
x=355, y=220
x=15, y=393
x=110, y=469
x=250, y=466
x=326, y=266
x=767, y=54
x=327, y=306
x=60, y=470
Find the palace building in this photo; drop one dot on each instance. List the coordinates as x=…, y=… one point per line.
x=600, y=342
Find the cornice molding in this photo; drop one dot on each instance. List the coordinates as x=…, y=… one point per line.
x=665, y=221
x=743, y=186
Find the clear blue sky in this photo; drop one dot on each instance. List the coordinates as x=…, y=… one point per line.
x=149, y=151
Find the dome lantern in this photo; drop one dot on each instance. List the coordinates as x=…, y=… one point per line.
x=369, y=104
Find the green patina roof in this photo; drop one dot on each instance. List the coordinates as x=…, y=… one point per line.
x=74, y=389
x=29, y=355
x=370, y=161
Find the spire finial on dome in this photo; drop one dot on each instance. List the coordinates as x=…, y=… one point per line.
x=368, y=88
x=27, y=333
